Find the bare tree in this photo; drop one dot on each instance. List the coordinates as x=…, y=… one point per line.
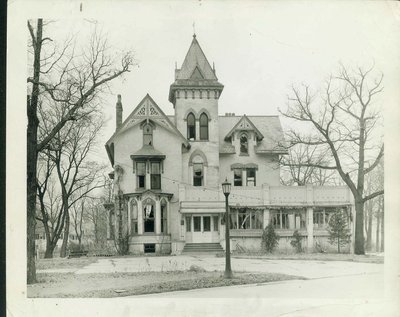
x=72, y=80
x=343, y=121
x=77, y=176
x=296, y=170
x=96, y=215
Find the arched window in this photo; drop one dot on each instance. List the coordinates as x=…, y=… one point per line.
x=147, y=135
x=244, y=148
x=198, y=171
x=191, y=127
x=203, y=127
x=134, y=217
x=149, y=212
x=164, y=217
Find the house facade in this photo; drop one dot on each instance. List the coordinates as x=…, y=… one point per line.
x=168, y=171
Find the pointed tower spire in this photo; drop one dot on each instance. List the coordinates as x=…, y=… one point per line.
x=195, y=71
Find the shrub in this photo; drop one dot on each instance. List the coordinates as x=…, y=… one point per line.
x=296, y=241
x=72, y=246
x=339, y=233
x=269, y=239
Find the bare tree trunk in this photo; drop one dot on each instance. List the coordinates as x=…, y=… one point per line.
x=359, y=234
x=369, y=226
x=49, y=250
x=33, y=123
x=382, y=229
x=378, y=217
x=63, y=251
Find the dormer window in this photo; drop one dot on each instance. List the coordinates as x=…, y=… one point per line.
x=191, y=127
x=147, y=135
x=244, y=146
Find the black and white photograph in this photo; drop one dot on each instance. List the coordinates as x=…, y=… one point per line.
x=187, y=158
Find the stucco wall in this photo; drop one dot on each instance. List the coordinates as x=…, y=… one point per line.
x=267, y=173
x=210, y=148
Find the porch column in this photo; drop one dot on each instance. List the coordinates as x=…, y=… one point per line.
x=266, y=218
x=140, y=216
x=158, y=216
x=310, y=229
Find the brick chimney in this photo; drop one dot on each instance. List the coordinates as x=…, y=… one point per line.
x=118, y=113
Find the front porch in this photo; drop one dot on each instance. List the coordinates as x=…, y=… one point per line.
x=306, y=209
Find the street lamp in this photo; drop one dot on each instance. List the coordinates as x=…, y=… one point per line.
x=226, y=188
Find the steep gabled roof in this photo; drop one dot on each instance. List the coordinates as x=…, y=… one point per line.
x=245, y=124
x=270, y=127
x=146, y=110
x=195, y=58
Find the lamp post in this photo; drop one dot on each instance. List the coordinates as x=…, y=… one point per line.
x=226, y=188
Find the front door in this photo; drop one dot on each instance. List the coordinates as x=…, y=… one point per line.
x=204, y=229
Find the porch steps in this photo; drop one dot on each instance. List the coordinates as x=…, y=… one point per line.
x=202, y=248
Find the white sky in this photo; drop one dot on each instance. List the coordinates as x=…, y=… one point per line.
x=259, y=48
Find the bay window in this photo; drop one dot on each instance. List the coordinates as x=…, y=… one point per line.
x=155, y=175
x=148, y=215
x=141, y=175
x=164, y=217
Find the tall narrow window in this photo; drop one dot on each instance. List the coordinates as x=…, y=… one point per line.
x=155, y=175
x=164, y=217
x=191, y=127
x=147, y=135
x=196, y=223
x=251, y=176
x=206, y=223
x=188, y=221
x=237, y=177
x=215, y=223
x=148, y=215
x=203, y=127
x=134, y=218
x=198, y=174
x=141, y=174
x=244, y=149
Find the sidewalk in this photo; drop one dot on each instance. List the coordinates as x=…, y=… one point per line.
x=308, y=269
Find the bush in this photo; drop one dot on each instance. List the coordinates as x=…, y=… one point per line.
x=339, y=233
x=296, y=241
x=72, y=246
x=269, y=239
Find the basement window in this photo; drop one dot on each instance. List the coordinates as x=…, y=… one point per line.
x=150, y=248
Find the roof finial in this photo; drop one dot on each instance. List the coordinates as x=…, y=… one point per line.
x=194, y=29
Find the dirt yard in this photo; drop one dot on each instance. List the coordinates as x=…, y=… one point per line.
x=125, y=284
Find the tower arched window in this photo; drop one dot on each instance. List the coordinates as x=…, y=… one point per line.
x=203, y=126
x=198, y=170
x=147, y=135
x=191, y=127
x=244, y=144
